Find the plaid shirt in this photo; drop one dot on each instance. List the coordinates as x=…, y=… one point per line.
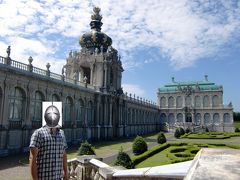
x=50, y=153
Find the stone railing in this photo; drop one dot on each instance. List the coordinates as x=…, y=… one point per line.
x=8, y=62
x=91, y=168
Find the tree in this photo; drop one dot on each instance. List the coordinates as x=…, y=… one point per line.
x=139, y=145
x=86, y=149
x=177, y=133
x=161, y=138
x=236, y=116
x=124, y=160
x=237, y=130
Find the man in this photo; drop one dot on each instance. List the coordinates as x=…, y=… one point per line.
x=48, y=158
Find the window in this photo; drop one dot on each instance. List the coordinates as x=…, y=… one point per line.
x=205, y=101
x=171, y=119
x=198, y=118
x=170, y=102
x=207, y=119
x=17, y=100
x=90, y=113
x=55, y=98
x=216, y=119
x=163, y=118
x=80, y=112
x=188, y=101
x=36, y=106
x=163, y=102
x=68, y=109
x=179, y=102
x=180, y=118
x=197, y=101
x=226, y=118
x=215, y=101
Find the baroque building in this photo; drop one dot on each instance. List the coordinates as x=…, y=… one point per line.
x=197, y=105
x=94, y=105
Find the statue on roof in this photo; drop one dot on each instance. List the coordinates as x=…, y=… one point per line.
x=96, y=15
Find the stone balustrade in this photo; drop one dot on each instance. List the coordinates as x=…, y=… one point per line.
x=92, y=168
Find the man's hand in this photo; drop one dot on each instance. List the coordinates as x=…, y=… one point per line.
x=33, y=162
x=65, y=168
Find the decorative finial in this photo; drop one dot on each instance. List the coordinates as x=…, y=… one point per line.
x=173, y=80
x=206, y=77
x=96, y=15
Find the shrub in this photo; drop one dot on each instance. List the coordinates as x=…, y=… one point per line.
x=86, y=149
x=188, y=130
x=139, y=145
x=177, y=133
x=124, y=160
x=161, y=138
x=181, y=130
x=237, y=130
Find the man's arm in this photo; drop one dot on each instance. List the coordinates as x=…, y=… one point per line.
x=65, y=168
x=33, y=162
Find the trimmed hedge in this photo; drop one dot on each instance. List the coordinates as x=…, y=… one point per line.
x=139, y=145
x=182, y=131
x=177, y=133
x=124, y=160
x=161, y=138
x=86, y=149
x=137, y=159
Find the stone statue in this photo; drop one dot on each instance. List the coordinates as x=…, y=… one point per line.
x=8, y=51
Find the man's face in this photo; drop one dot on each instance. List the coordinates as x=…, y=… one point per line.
x=52, y=116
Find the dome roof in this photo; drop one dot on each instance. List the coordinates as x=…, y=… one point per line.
x=95, y=38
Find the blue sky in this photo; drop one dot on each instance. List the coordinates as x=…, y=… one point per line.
x=157, y=39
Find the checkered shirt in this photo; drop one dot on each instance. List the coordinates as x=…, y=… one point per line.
x=50, y=153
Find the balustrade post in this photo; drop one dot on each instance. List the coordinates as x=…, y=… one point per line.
x=30, y=66
x=48, y=71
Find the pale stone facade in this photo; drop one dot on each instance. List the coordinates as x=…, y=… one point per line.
x=94, y=106
x=196, y=105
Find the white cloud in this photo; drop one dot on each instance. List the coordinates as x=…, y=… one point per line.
x=184, y=31
x=133, y=89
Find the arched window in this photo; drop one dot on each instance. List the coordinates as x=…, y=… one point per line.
x=215, y=101
x=163, y=118
x=55, y=98
x=90, y=113
x=163, y=102
x=216, y=119
x=198, y=118
x=80, y=112
x=180, y=118
x=171, y=120
x=179, y=102
x=226, y=118
x=205, y=101
x=68, y=106
x=170, y=102
x=36, y=106
x=188, y=101
x=197, y=101
x=17, y=101
x=188, y=117
x=207, y=119
x=129, y=116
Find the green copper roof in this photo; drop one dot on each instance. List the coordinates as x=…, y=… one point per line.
x=191, y=85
